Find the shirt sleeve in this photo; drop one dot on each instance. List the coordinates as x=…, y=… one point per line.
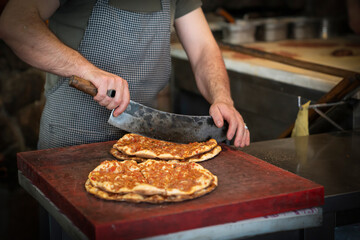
x=185, y=6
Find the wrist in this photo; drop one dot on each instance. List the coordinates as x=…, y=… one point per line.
x=82, y=67
x=227, y=101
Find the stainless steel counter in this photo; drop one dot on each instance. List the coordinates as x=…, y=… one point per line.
x=330, y=159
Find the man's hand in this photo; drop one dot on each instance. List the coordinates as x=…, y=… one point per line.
x=105, y=81
x=222, y=111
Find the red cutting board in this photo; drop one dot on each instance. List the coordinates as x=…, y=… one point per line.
x=248, y=188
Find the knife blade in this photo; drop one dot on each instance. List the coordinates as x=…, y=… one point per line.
x=153, y=123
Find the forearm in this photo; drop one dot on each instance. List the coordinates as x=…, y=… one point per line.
x=211, y=76
x=29, y=37
x=205, y=57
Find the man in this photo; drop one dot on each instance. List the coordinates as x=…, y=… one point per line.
x=115, y=44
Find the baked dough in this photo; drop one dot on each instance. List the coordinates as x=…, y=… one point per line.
x=139, y=146
x=150, y=181
x=197, y=158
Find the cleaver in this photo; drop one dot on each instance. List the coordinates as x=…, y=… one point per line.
x=149, y=122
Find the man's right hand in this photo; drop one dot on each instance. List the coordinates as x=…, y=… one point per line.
x=105, y=81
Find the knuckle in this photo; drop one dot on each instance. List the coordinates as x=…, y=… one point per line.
x=117, y=102
x=101, y=95
x=102, y=104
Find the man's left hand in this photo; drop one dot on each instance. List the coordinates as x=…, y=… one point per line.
x=238, y=130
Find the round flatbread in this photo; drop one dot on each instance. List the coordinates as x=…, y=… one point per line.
x=205, y=156
x=140, y=146
x=121, y=156
x=171, y=180
x=121, y=177
x=137, y=198
x=197, y=158
x=177, y=178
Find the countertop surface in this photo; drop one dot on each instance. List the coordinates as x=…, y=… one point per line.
x=325, y=52
x=329, y=159
x=248, y=188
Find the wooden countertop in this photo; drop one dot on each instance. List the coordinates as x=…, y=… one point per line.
x=313, y=50
x=248, y=188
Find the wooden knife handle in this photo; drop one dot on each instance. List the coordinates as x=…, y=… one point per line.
x=83, y=85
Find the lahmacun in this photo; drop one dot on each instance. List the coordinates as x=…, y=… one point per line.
x=150, y=181
x=139, y=148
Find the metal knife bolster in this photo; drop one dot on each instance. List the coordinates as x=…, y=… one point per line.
x=152, y=123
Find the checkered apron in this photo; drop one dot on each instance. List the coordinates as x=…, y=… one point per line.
x=132, y=45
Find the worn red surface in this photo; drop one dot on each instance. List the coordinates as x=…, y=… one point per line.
x=248, y=187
